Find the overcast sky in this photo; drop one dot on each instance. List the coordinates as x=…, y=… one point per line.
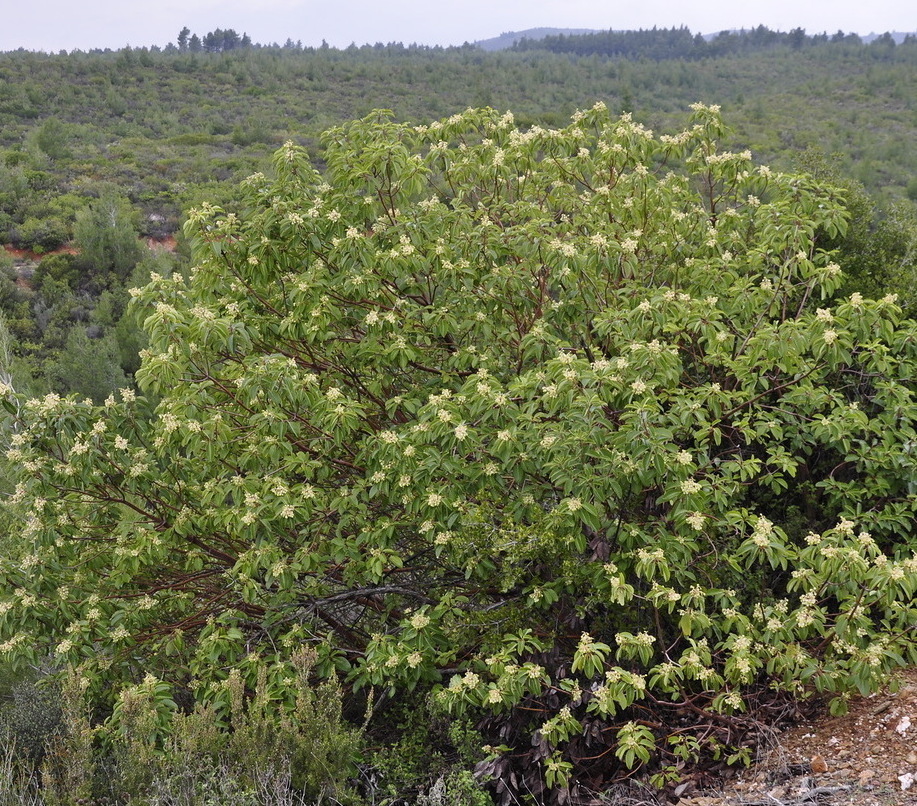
x=52, y=25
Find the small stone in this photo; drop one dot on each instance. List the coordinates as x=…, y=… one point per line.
x=907, y=780
x=843, y=753
x=684, y=788
x=912, y=758
x=803, y=785
x=865, y=777
x=818, y=765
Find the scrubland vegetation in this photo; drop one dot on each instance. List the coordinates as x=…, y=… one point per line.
x=448, y=455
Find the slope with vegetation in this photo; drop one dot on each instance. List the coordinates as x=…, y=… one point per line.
x=565, y=432
x=154, y=132
x=592, y=440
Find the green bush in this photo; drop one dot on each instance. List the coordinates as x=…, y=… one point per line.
x=107, y=236
x=148, y=752
x=564, y=428
x=61, y=267
x=29, y=719
x=424, y=757
x=42, y=234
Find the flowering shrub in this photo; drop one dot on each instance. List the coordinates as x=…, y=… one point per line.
x=563, y=426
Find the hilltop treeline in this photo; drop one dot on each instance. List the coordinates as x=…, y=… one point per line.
x=680, y=43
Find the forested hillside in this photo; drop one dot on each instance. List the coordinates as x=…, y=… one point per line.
x=122, y=112
x=149, y=133
x=449, y=454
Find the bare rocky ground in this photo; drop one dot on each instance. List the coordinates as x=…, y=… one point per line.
x=867, y=757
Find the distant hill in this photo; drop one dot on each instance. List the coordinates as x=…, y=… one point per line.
x=510, y=38
x=898, y=36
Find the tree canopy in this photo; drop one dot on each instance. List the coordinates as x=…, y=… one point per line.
x=564, y=427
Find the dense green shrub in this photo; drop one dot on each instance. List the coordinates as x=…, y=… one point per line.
x=62, y=267
x=107, y=236
x=42, y=234
x=561, y=426
x=89, y=367
x=878, y=250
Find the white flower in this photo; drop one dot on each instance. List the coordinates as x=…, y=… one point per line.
x=690, y=486
x=419, y=621
x=845, y=526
